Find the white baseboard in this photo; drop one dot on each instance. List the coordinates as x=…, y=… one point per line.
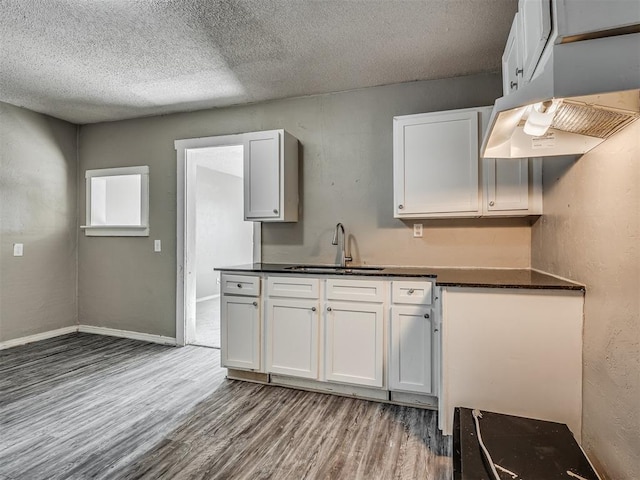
x=204, y=299
x=113, y=332
x=38, y=336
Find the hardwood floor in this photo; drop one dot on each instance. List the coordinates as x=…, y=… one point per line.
x=84, y=406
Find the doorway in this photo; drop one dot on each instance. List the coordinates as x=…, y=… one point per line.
x=223, y=238
x=213, y=232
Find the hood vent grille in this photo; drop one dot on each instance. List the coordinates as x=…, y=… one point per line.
x=591, y=120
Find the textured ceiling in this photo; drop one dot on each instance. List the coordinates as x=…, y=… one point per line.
x=89, y=61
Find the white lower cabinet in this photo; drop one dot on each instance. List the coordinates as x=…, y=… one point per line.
x=240, y=332
x=292, y=337
x=410, y=365
x=354, y=343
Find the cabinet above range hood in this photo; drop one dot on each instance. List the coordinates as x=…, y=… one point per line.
x=582, y=92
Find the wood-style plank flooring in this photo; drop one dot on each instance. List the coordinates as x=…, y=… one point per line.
x=208, y=323
x=85, y=406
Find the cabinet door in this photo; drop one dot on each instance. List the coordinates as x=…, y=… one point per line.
x=411, y=349
x=292, y=337
x=354, y=343
x=536, y=28
x=262, y=168
x=436, y=164
x=507, y=184
x=512, y=59
x=240, y=331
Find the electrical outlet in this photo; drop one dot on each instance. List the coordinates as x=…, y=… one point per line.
x=157, y=246
x=18, y=249
x=417, y=230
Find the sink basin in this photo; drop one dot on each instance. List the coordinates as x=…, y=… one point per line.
x=332, y=269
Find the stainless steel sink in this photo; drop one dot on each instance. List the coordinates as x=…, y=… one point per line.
x=332, y=269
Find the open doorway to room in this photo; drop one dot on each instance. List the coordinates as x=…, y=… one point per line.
x=223, y=238
x=211, y=232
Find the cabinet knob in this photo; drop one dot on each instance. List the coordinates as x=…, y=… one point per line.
x=313, y=309
x=328, y=309
x=519, y=71
x=239, y=285
x=435, y=329
x=275, y=210
x=513, y=85
x=255, y=304
x=426, y=315
x=492, y=203
x=400, y=207
x=410, y=291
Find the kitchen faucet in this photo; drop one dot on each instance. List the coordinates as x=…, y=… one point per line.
x=344, y=258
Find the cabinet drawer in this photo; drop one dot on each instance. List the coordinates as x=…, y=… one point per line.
x=411, y=292
x=240, y=285
x=355, y=290
x=294, y=287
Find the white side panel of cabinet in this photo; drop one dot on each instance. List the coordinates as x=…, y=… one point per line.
x=354, y=343
x=292, y=337
x=436, y=164
x=411, y=349
x=512, y=351
x=578, y=17
x=262, y=175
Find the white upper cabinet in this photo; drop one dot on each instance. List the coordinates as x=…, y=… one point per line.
x=270, y=177
x=437, y=174
x=435, y=158
x=512, y=69
x=535, y=31
x=540, y=24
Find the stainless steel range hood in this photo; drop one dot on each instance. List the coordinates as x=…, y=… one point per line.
x=586, y=91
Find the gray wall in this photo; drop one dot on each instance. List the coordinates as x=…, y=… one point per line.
x=346, y=175
x=590, y=233
x=223, y=238
x=38, y=207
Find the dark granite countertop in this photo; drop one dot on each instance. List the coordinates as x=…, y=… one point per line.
x=450, y=277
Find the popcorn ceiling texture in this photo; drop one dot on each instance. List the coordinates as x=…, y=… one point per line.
x=95, y=61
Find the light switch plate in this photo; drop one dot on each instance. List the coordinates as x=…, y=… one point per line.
x=417, y=230
x=157, y=246
x=18, y=249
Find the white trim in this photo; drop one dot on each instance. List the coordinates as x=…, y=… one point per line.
x=184, y=246
x=113, y=332
x=209, y=297
x=110, y=172
x=38, y=336
x=141, y=230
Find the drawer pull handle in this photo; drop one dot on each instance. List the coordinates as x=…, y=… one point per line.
x=426, y=315
x=513, y=85
x=255, y=304
x=328, y=309
x=239, y=285
x=410, y=291
x=519, y=71
x=313, y=309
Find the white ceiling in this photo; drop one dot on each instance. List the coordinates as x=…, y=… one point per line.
x=90, y=61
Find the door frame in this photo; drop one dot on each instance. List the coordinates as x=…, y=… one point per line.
x=185, y=223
